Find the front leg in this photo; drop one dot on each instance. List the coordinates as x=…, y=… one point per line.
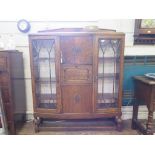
x=135, y=115
x=149, y=123
x=119, y=123
x=36, y=124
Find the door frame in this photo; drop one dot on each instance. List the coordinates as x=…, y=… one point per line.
x=57, y=72
x=95, y=71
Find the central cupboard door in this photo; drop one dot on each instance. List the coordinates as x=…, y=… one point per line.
x=76, y=73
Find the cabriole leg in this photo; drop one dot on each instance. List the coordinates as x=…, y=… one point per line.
x=36, y=124
x=119, y=123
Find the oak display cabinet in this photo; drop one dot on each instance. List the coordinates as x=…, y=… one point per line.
x=77, y=73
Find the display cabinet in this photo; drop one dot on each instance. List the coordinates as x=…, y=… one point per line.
x=77, y=74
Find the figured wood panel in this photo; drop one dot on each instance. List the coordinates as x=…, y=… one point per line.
x=77, y=99
x=76, y=49
x=76, y=74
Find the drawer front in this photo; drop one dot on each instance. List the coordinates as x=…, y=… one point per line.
x=76, y=74
x=3, y=63
x=77, y=99
x=77, y=49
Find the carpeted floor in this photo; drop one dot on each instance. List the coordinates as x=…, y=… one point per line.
x=27, y=129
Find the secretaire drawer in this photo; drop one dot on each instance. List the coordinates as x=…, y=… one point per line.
x=76, y=74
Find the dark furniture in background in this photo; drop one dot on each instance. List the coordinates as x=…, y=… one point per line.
x=144, y=94
x=136, y=65
x=3, y=122
x=76, y=74
x=11, y=68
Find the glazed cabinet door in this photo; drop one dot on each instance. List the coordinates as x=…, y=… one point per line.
x=45, y=64
x=109, y=68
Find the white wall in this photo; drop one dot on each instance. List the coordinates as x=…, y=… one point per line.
x=9, y=30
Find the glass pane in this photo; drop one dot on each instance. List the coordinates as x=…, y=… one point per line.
x=44, y=69
x=108, y=73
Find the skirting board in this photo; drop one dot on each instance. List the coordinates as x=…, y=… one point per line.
x=126, y=114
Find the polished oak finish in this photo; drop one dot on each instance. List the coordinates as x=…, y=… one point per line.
x=77, y=74
x=144, y=94
x=77, y=99
x=79, y=51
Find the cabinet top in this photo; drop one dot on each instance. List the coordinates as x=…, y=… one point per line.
x=10, y=51
x=145, y=80
x=70, y=31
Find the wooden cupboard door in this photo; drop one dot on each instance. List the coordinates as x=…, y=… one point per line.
x=76, y=49
x=77, y=98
